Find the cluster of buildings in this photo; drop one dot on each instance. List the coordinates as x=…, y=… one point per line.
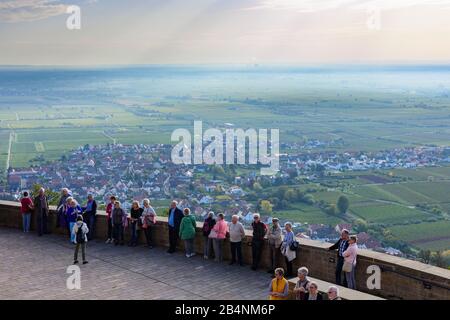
x=307, y=162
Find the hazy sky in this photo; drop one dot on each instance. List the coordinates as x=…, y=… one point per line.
x=225, y=31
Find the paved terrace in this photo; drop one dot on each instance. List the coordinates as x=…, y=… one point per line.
x=33, y=267
x=28, y=263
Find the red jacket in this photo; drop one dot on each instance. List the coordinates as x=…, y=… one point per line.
x=109, y=209
x=26, y=205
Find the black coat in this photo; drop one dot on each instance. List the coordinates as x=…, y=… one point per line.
x=93, y=210
x=319, y=296
x=177, y=219
x=336, y=246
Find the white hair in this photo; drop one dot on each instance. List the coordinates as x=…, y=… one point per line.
x=235, y=216
x=256, y=215
x=334, y=289
x=303, y=270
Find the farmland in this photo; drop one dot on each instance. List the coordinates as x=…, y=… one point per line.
x=433, y=235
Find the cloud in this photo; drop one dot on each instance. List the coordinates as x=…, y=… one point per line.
x=30, y=10
x=321, y=5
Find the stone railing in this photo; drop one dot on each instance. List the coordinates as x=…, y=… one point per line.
x=399, y=278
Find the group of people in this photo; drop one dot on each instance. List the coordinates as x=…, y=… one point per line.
x=304, y=289
x=80, y=224
x=347, y=252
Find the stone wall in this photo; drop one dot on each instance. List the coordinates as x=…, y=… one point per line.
x=400, y=278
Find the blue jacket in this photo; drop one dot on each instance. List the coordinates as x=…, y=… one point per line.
x=72, y=213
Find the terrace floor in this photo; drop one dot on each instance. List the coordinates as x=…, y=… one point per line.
x=33, y=267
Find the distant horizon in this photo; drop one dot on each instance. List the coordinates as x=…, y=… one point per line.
x=274, y=65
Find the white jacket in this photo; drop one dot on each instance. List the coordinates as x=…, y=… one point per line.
x=84, y=230
x=287, y=252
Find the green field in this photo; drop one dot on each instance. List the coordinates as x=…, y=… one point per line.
x=432, y=235
x=408, y=192
x=307, y=214
x=388, y=213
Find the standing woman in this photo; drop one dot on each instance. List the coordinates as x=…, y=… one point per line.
x=26, y=209
x=148, y=221
x=208, y=224
x=64, y=222
x=350, y=262
x=220, y=231
x=135, y=217
x=187, y=232
x=73, y=212
x=109, y=210
x=289, y=255
x=60, y=218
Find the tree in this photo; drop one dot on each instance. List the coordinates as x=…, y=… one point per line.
x=218, y=170
x=308, y=199
x=266, y=207
x=425, y=256
x=342, y=204
x=331, y=209
x=438, y=259
x=290, y=195
x=281, y=191
x=360, y=225
x=257, y=187
x=52, y=196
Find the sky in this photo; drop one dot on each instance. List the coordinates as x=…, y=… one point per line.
x=34, y=32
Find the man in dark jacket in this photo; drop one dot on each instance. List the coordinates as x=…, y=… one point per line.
x=341, y=245
x=90, y=212
x=174, y=221
x=40, y=203
x=259, y=232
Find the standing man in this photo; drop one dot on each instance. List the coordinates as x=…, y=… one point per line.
x=341, y=245
x=259, y=232
x=40, y=204
x=175, y=216
x=274, y=236
x=90, y=212
x=237, y=233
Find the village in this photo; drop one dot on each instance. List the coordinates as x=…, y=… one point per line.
x=136, y=172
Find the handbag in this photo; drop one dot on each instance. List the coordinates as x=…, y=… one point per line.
x=213, y=234
x=294, y=245
x=347, y=266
